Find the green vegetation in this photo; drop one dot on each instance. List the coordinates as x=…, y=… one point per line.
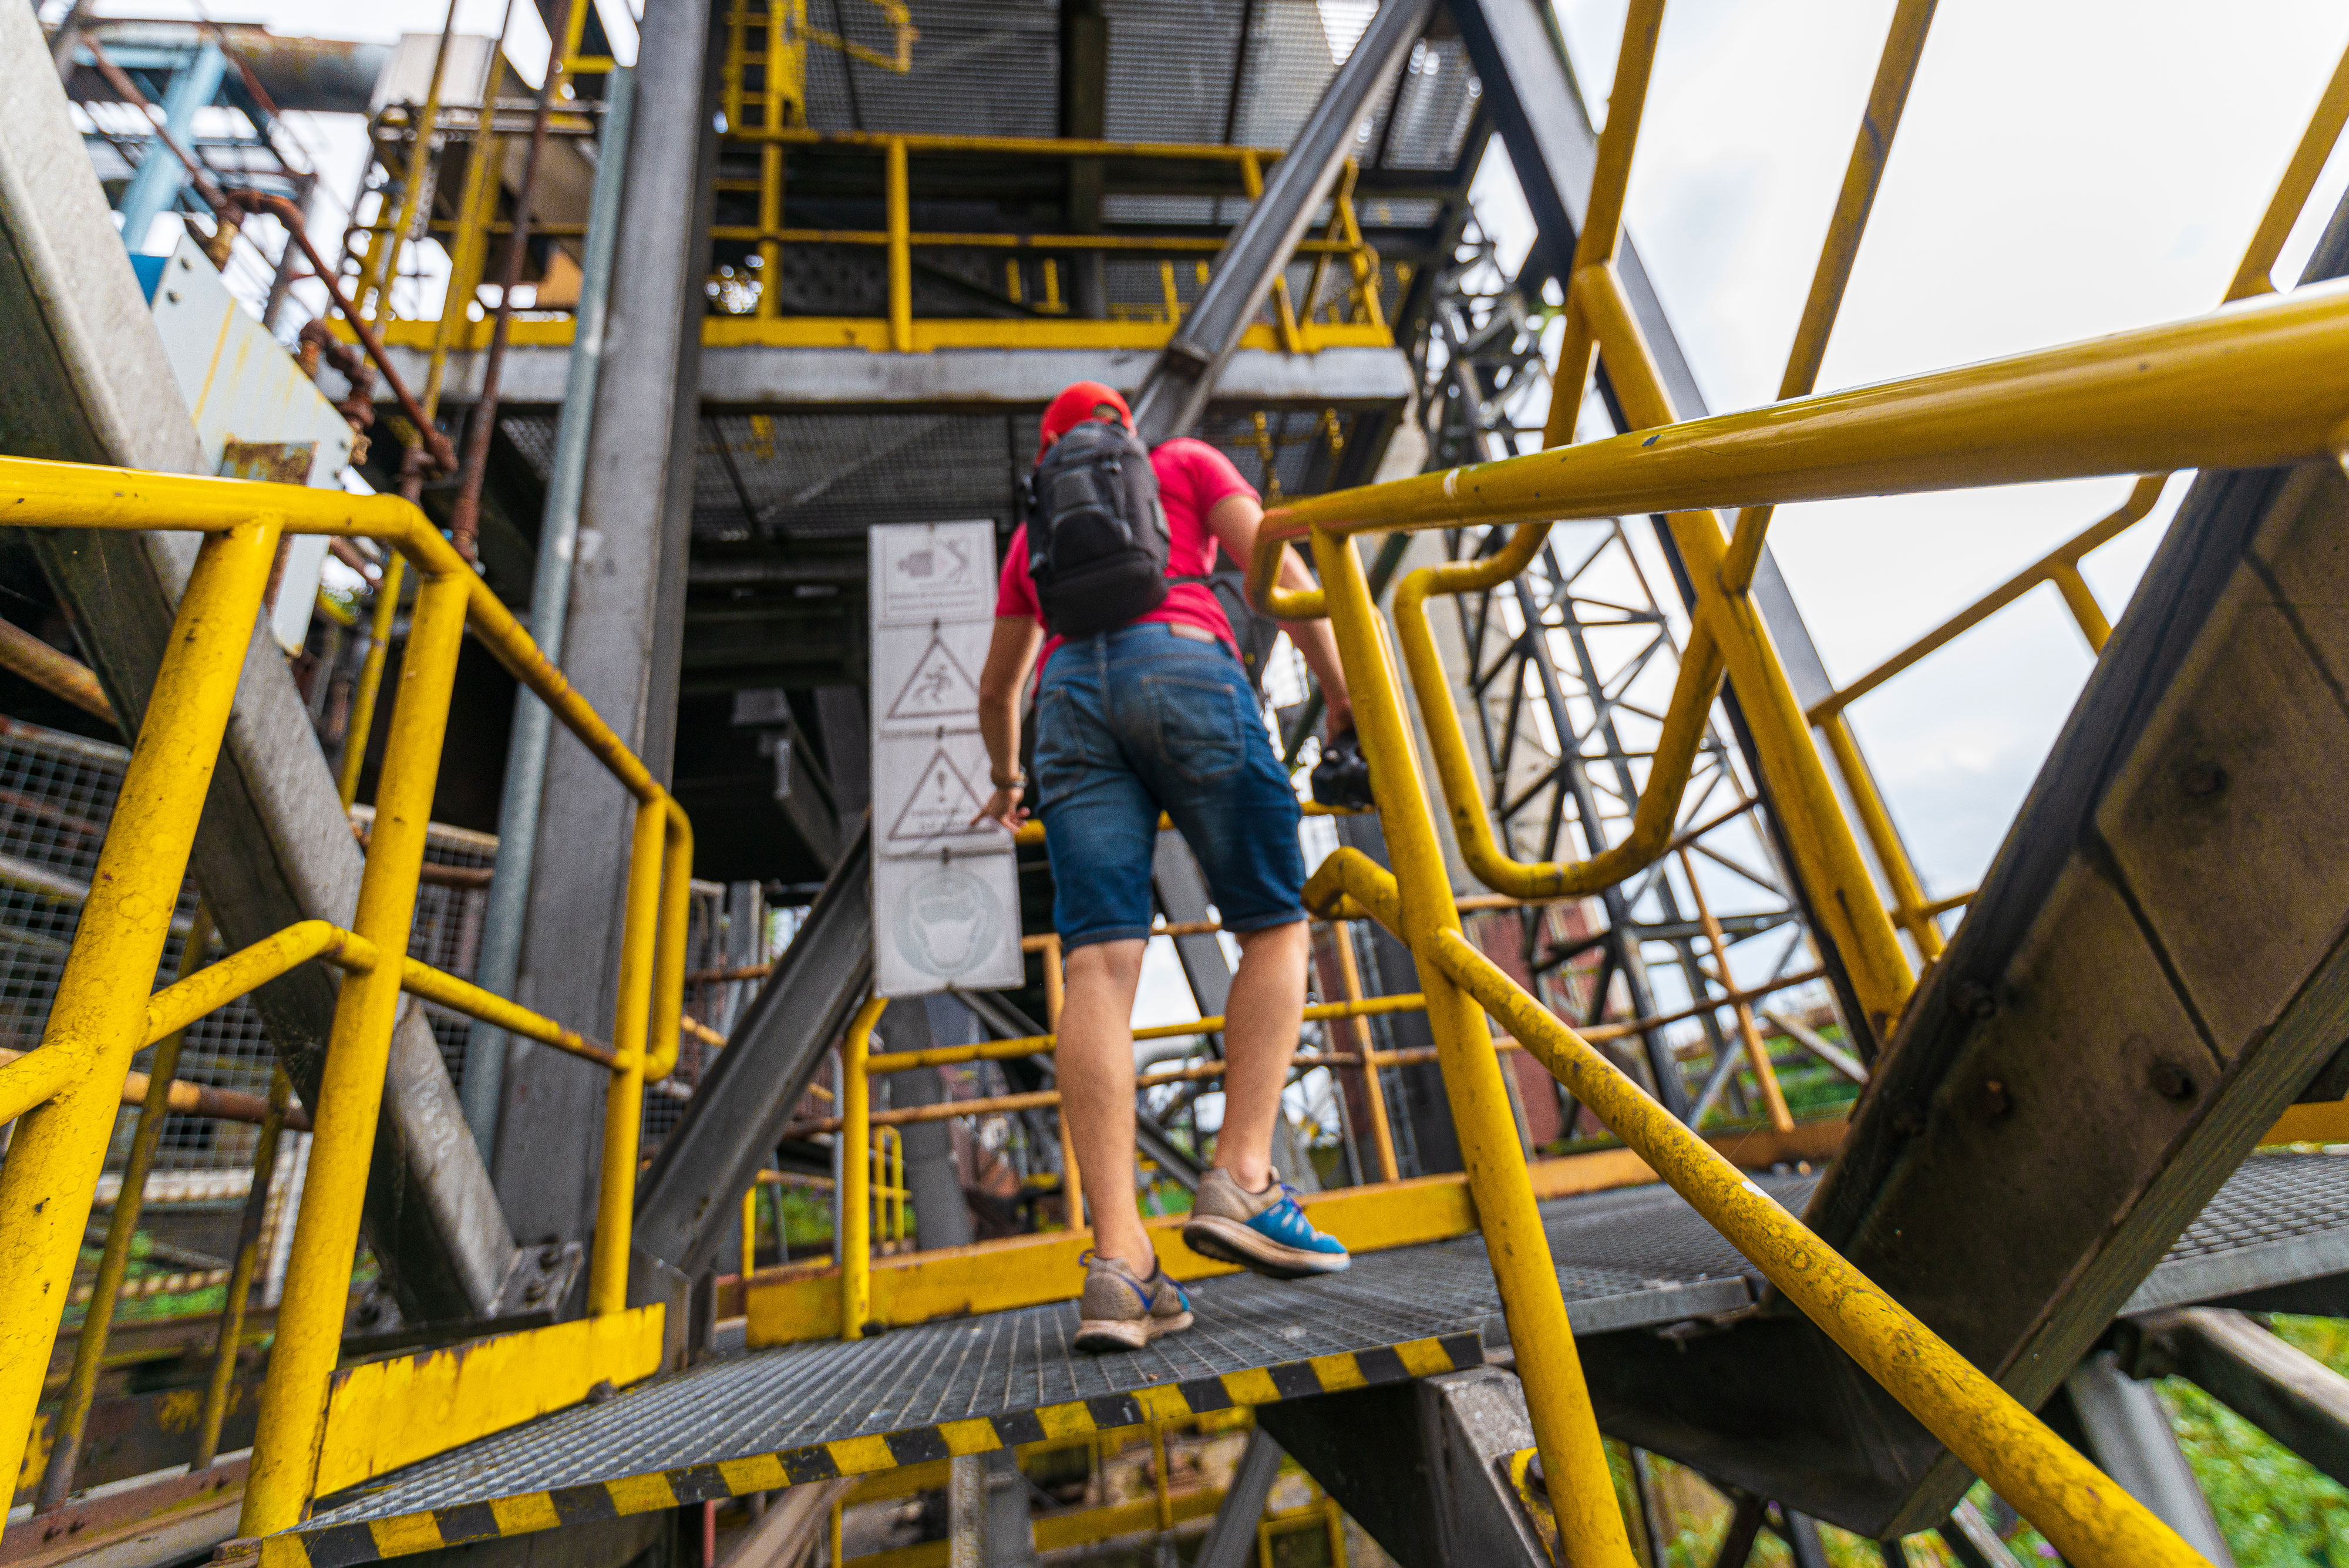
x=2275, y=1509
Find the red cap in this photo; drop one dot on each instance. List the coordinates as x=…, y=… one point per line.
x=1074, y=407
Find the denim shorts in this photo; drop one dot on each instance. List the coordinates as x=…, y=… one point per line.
x=1139, y=720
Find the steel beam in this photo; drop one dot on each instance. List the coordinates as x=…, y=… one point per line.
x=694, y=1190
x=2129, y=1435
x=1180, y=384
x=1969, y=1537
x=1745, y=1523
x=755, y=378
x=533, y=722
x=2289, y=1395
x=1423, y=1467
x=1232, y=1540
x=1800, y=1531
x=626, y=624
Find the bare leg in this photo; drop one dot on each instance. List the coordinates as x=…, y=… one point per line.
x=1268, y=1004
x=1095, y=1059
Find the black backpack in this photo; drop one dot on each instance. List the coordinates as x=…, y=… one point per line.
x=1096, y=537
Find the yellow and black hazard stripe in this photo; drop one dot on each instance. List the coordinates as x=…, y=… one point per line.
x=336, y=1545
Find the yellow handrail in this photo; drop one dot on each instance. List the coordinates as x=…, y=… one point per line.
x=855, y=1239
x=67, y=1090
x=2255, y=384
x=2147, y=401
x=1472, y=824
x=1904, y=45
x=2090, y=1520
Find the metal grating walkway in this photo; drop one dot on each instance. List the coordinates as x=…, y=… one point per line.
x=752, y=1422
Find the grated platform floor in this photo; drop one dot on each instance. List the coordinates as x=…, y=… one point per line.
x=754, y=1421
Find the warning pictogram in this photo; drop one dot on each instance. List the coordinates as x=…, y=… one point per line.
x=939, y=687
x=942, y=803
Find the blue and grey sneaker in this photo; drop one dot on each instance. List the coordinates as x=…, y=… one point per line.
x=1265, y=1231
x=1122, y=1311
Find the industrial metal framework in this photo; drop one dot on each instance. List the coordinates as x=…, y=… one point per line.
x=1558, y=666
x=1592, y=790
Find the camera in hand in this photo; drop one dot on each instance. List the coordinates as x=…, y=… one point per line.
x=1342, y=776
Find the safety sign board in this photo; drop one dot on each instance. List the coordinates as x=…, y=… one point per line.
x=932, y=571
x=925, y=790
x=926, y=674
x=945, y=892
x=946, y=923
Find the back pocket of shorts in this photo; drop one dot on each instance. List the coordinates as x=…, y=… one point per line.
x=1200, y=724
x=1066, y=743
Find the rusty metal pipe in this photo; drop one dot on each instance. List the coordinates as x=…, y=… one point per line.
x=444, y=456
x=224, y=213
x=59, y=674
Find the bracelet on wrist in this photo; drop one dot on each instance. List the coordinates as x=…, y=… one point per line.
x=1017, y=780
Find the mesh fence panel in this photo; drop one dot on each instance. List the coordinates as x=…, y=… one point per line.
x=56, y=796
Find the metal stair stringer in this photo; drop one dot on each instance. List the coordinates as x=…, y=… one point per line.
x=2155, y=967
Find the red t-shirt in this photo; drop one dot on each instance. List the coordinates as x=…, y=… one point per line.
x=1192, y=477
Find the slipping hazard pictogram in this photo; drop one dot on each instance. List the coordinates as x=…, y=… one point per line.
x=942, y=803
x=939, y=687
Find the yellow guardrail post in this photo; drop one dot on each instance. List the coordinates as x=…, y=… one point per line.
x=1591, y=1528
x=1909, y=902
x=1904, y=45
x=854, y=1242
x=350, y=1095
x=361, y=722
x=1284, y=309
x=378, y=273
x=897, y=189
x=607, y=1279
x=1758, y=1053
x=1350, y=975
x=100, y=1017
x=1602, y=220
x=669, y=951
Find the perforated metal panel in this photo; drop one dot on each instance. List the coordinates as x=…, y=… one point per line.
x=1626, y=1259
x=1174, y=70
x=982, y=67
x=1611, y=1251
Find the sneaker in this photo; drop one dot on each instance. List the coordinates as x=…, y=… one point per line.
x=1122, y=1311
x=1265, y=1231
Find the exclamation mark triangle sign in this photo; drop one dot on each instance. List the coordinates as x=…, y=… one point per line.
x=942, y=803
